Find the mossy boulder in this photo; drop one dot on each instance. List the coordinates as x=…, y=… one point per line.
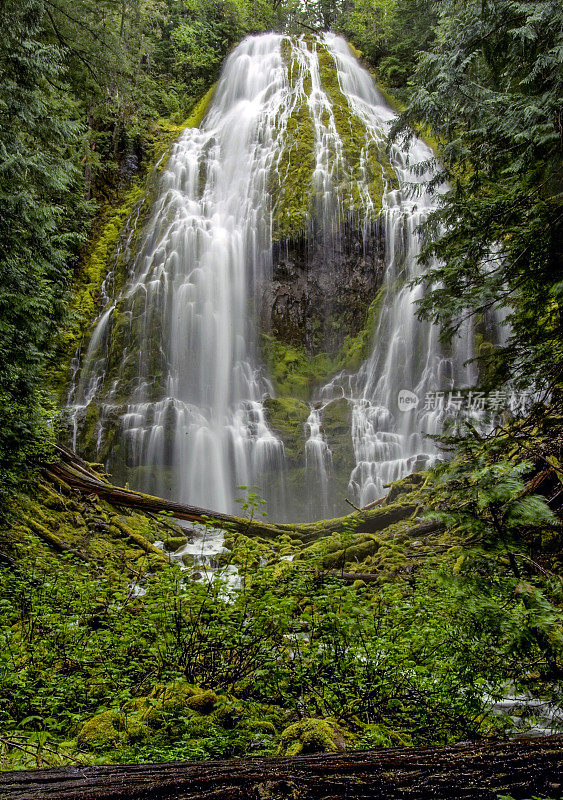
x=203, y=701
x=259, y=726
x=104, y=731
x=247, y=552
x=174, y=543
x=311, y=736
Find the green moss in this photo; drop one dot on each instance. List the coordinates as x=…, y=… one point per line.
x=364, y=162
x=204, y=702
x=96, y=260
x=112, y=729
x=342, y=550
x=246, y=552
x=200, y=109
x=354, y=50
x=405, y=488
x=53, y=521
x=258, y=726
x=311, y=736
x=136, y=728
x=287, y=417
x=119, y=527
x=179, y=699
x=294, y=373
x=336, y=421
x=396, y=104
x=197, y=727
x=103, y=732
x=294, y=174
x=356, y=349
x=173, y=543
x=171, y=698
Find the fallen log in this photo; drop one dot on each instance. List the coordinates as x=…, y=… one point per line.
x=73, y=473
x=468, y=771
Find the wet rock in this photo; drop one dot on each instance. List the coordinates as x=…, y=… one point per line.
x=321, y=288
x=174, y=543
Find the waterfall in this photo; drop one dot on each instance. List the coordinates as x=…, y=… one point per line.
x=389, y=442
x=172, y=385
x=189, y=375
x=318, y=465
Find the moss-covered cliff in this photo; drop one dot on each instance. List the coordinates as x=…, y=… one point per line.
x=363, y=168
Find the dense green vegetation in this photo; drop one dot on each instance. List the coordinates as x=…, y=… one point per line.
x=490, y=92
x=40, y=207
x=184, y=673
x=293, y=661
x=297, y=661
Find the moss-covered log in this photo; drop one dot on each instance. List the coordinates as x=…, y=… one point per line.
x=50, y=538
x=73, y=472
x=521, y=768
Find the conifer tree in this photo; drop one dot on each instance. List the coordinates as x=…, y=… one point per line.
x=39, y=196
x=490, y=92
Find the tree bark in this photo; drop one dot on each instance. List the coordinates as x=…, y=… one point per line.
x=468, y=771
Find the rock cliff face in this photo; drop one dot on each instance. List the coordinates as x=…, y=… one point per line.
x=317, y=301
x=321, y=288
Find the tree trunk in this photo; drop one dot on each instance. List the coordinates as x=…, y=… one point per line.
x=467, y=771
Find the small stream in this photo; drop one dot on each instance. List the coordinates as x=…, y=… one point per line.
x=203, y=556
x=530, y=716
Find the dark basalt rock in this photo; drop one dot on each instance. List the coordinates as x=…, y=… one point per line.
x=321, y=287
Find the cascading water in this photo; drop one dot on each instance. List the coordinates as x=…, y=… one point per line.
x=193, y=423
x=318, y=465
x=390, y=443
x=173, y=366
